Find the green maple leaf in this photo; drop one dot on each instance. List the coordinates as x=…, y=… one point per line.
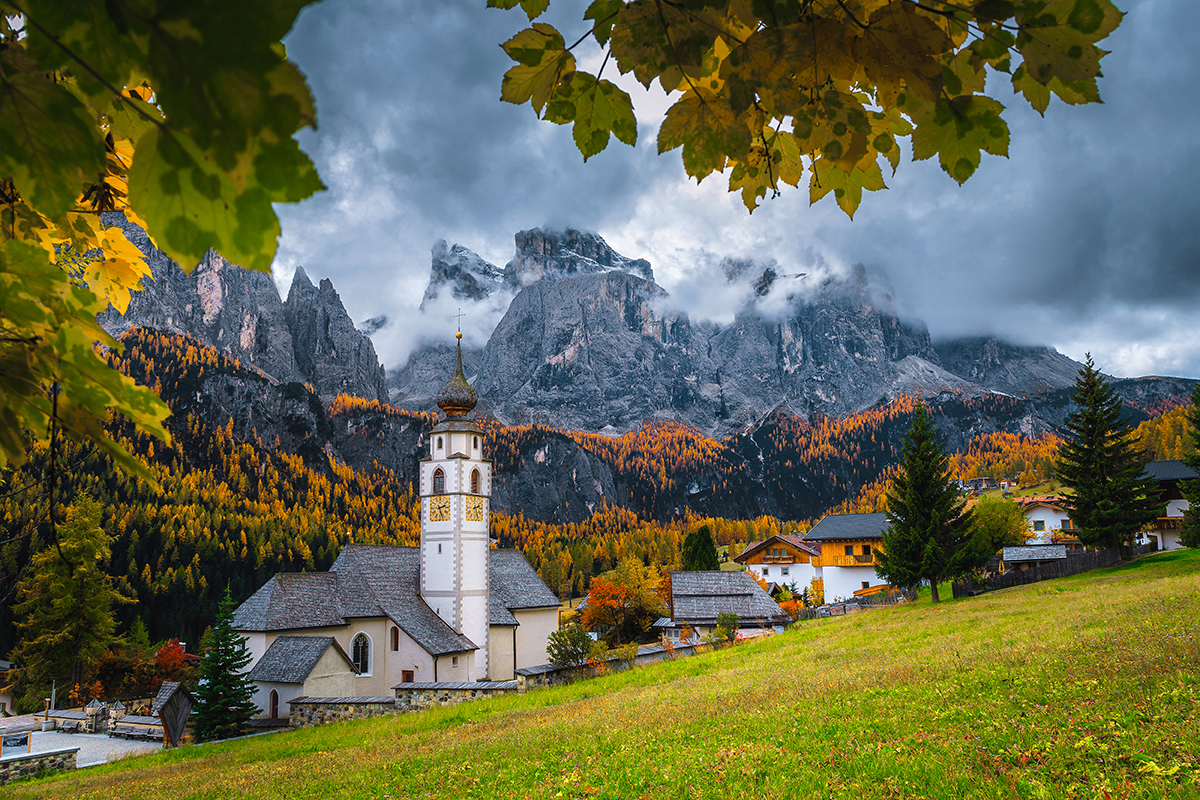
x=184, y=194
x=957, y=130
x=709, y=132
x=542, y=62
x=597, y=108
x=49, y=144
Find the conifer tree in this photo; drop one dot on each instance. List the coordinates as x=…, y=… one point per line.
x=699, y=551
x=929, y=535
x=67, y=600
x=1099, y=461
x=1189, y=533
x=224, y=696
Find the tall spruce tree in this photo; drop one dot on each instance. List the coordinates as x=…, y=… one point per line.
x=929, y=536
x=1110, y=500
x=699, y=551
x=224, y=696
x=1189, y=533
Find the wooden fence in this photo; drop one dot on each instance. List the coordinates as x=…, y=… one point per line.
x=1033, y=572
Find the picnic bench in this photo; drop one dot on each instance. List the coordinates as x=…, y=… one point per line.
x=146, y=734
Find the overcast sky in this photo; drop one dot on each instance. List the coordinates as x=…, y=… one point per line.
x=1087, y=238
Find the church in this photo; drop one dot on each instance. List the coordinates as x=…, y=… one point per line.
x=449, y=610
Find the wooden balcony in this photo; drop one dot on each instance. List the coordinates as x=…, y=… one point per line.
x=784, y=559
x=848, y=561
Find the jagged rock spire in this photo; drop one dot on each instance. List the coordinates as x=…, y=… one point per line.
x=457, y=398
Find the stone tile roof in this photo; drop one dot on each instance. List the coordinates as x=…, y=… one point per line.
x=515, y=584
x=698, y=597
x=291, y=659
x=494, y=686
x=349, y=701
x=381, y=580
x=848, y=526
x=384, y=581
x=1169, y=471
x=1034, y=552
x=292, y=600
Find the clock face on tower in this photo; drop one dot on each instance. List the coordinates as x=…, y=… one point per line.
x=439, y=508
x=474, y=509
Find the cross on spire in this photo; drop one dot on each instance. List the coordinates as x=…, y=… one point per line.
x=457, y=316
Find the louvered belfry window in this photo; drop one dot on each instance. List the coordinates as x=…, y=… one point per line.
x=439, y=481
x=474, y=481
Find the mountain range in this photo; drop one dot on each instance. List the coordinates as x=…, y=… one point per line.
x=589, y=342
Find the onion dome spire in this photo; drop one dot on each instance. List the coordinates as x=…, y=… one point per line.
x=457, y=398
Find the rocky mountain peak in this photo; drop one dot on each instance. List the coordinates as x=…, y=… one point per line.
x=1007, y=367
x=462, y=272
x=310, y=338
x=561, y=254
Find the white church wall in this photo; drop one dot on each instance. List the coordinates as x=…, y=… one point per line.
x=262, y=697
x=257, y=644
x=331, y=677
x=408, y=655
x=536, y=626
x=501, y=652
x=456, y=667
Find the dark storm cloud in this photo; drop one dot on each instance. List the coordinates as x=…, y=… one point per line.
x=1085, y=238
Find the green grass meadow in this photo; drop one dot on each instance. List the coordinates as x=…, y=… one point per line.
x=1084, y=687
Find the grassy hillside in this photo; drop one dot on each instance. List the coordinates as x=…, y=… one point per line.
x=1084, y=687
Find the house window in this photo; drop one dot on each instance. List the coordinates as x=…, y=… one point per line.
x=395, y=638
x=274, y=704
x=849, y=549
x=866, y=549
x=360, y=654
x=1039, y=525
x=785, y=571
x=406, y=676
x=766, y=571
x=866, y=584
x=439, y=548
x=1068, y=525
x=439, y=480
x=454, y=661
x=474, y=481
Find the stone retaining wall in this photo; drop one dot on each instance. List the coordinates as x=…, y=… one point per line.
x=23, y=765
x=420, y=696
x=323, y=710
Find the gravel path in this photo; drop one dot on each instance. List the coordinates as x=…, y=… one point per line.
x=94, y=748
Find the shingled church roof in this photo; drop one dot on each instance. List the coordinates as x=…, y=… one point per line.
x=291, y=659
x=383, y=581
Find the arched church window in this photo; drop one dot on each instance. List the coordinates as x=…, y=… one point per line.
x=475, y=442
x=395, y=638
x=439, y=443
x=439, y=481
x=274, y=704
x=360, y=654
x=474, y=481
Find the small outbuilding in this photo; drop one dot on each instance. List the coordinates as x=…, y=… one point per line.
x=296, y=666
x=698, y=598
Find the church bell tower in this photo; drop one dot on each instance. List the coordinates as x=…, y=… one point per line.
x=456, y=489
